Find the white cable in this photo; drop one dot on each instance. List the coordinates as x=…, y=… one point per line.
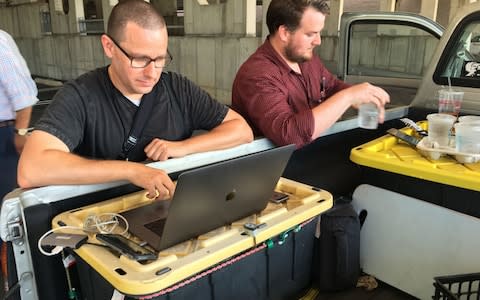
x=93, y=223
x=97, y=223
x=57, y=249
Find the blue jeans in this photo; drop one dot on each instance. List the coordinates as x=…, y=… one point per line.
x=8, y=161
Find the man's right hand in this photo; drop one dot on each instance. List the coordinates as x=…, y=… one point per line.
x=157, y=183
x=43, y=150
x=366, y=92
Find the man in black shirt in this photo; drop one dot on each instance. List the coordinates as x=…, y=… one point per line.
x=92, y=116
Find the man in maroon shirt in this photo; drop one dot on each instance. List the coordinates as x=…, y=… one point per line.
x=284, y=90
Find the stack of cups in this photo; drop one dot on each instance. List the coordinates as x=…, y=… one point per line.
x=449, y=102
x=469, y=119
x=439, y=126
x=467, y=135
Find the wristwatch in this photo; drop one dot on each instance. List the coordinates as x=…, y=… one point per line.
x=23, y=131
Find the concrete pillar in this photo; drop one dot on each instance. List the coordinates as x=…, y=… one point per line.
x=265, y=4
x=456, y=4
x=239, y=17
x=413, y=6
x=443, y=12
x=166, y=7
x=79, y=14
x=429, y=8
x=107, y=7
x=204, y=19
x=388, y=5
x=250, y=18
x=453, y=6
x=332, y=21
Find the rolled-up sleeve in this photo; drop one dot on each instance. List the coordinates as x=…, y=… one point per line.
x=17, y=88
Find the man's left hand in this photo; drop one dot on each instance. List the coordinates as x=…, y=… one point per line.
x=160, y=150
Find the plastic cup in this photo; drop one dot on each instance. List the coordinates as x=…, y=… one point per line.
x=467, y=138
x=449, y=102
x=439, y=126
x=368, y=116
x=469, y=119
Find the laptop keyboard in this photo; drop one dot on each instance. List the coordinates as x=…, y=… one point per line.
x=156, y=226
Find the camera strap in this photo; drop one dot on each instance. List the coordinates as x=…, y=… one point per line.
x=139, y=121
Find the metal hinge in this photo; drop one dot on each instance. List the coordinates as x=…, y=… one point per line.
x=15, y=230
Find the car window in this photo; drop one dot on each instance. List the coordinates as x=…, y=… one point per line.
x=389, y=53
x=389, y=50
x=460, y=61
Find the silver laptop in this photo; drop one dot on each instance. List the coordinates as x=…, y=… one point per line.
x=210, y=197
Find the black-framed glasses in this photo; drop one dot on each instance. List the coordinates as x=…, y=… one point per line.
x=144, y=61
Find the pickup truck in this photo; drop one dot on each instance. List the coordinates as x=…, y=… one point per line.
x=416, y=228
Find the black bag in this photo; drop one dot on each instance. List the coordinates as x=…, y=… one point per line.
x=337, y=265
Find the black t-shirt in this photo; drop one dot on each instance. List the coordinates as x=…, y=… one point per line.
x=93, y=118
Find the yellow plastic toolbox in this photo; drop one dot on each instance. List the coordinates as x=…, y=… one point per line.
x=182, y=262
x=390, y=154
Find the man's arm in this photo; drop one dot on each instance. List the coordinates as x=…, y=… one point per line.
x=46, y=160
x=233, y=131
x=18, y=86
x=22, y=121
x=268, y=108
x=328, y=112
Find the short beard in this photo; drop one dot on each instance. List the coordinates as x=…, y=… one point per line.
x=291, y=56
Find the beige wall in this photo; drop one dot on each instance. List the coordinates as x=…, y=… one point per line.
x=22, y=20
x=364, y=5
x=211, y=62
x=218, y=39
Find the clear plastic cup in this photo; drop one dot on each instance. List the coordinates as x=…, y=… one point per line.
x=368, y=116
x=469, y=119
x=467, y=138
x=449, y=101
x=439, y=126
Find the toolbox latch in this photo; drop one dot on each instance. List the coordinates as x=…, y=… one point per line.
x=252, y=229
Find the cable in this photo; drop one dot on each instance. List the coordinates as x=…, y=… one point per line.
x=57, y=249
x=104, y=223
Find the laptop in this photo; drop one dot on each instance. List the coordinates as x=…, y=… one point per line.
x=209, y=197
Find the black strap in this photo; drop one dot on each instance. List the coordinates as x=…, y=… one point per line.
x=139, y=121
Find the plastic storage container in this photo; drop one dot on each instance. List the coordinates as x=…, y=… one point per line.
x=392, y=164
x=225, y=263
x=390, y=154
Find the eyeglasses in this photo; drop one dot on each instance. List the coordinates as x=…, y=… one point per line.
x=143, y=61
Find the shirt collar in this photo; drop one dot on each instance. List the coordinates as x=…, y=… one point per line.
x=270, y=52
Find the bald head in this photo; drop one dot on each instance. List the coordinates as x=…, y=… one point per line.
x=137, y=11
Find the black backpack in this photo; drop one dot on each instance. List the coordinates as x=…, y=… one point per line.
x=337, y=261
